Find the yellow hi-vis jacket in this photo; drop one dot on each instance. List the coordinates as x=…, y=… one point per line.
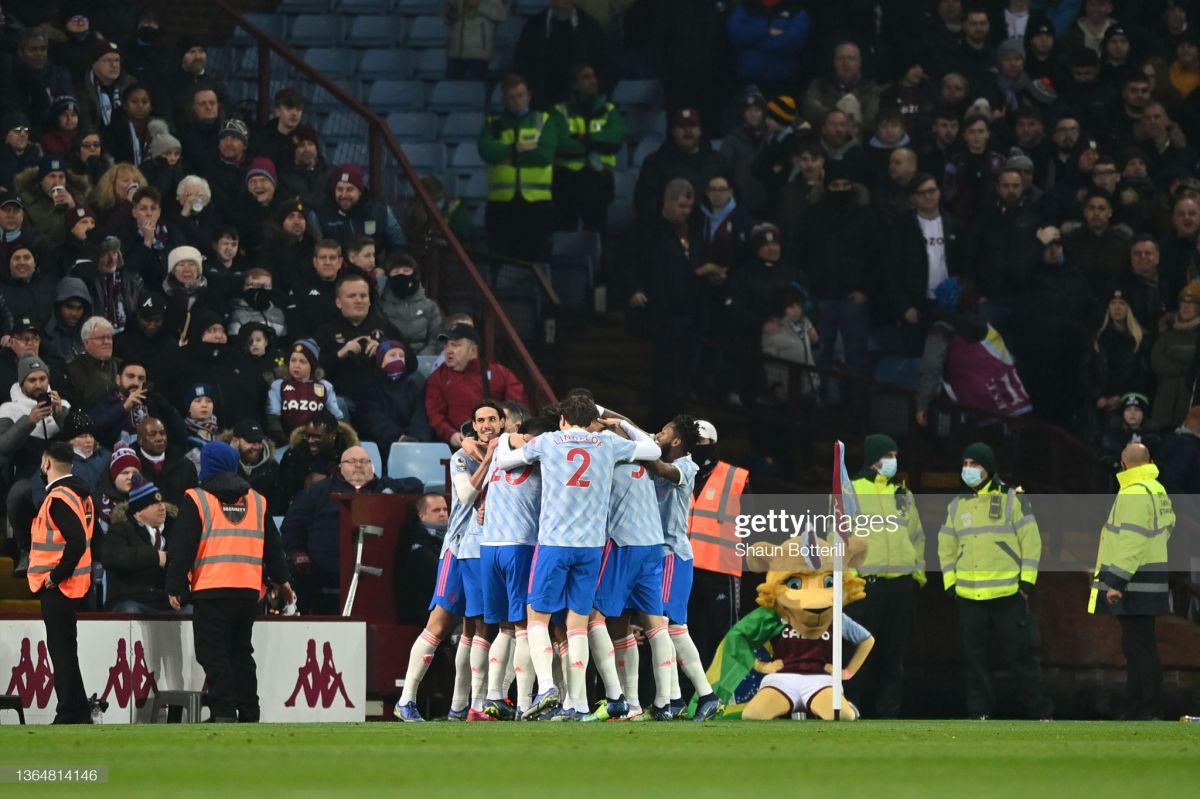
x=890, y=553
x=990, y=543
x=511, y=172
x=1133, y=546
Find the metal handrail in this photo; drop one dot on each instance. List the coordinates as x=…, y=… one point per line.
x=379, y=137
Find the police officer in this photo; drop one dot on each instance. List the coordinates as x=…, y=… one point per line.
x=989, y=550
x=60, y=574
x=225, y=539
x=587, y=154
x=518, y=145
x=894, y=570
x=1130, y=580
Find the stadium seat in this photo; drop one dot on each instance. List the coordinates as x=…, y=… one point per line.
x=302, y=6
x=508, y=31
x=315, y=30
x=352, y=152
x=385, y=64
x=457, y=95
x=413, y=126
x=372, y=31
x=279, y=451
x=495, y=101
x=396, y=95
x=645, y=93
x=363, y=6
x=428, y=159
x=462, y=126
x=466, y=155
x=431, y=64
x=524, y=8
x=420, y=460
x=427, y=31
x=376, y=459
x=322, y=101
x=625, y=183
x=332, y=62
x=644, y=148
x=412, y=8
x=271, y=24
x=425, y=365
x=475, y=187
x=341, y=125
x=642, y=123
x=574, y=260
x=577, y=246
x=620, y=215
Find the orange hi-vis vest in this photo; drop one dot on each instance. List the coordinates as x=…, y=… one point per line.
x=48, y=544
x=711, y=526
x=230, y=554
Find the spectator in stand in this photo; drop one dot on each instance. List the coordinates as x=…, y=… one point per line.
x=926, y=249
x=348, y=341
x=1142, y=288
x=419, y=555
x=768, y=36
x=726, y=236
x=146, y=57
x=471, y=39
x=25, y=288
x=1127, y=425
x=288, y=244
x=30, y=79
x=394, y=406
x=17, y=154
x=48, y=196
x=352, y=213
x=1185, y=69
x=742, y=145
x=1098, y=249
x=1174, y=358
x=102, y=91
x=261, y=350
x=824, y=93
x=311, y=301
x=256, y=303
x=200, y=130
x=1178, y=456
x=93, y=375
x=226, y=262
x=164, y=458
x=944, y=129
x=971, y=173
x=274, y=140
x=124, y=470
x=662, y=286
x=203, y=426
x=74, y=52
x=685, y=154
x=789, y=335
x=146, y=339
x=459, y=384
x=550, y=43
x=360, y=258
x=14, y=230
x=803, y=190
x=118, y=416
x=312, y=527
x=27, y=339
x=1177, y=250
x=1004, y=249
x=592, y=134
x=127, y=138
x=87, y=160
x=115, y=290
x=313, y=453
x=91, y=459
x=405, y=305
x=135, y=553
x=207, y=357
x=305, y=173
x=518, y=145
x=112, y=197
x=772, y=167
x=163, y=166
x=192, y=74
x=72, y=304
x=292, y=401
x=186, y=289
x=146, y=239
x=1165, y=145
x=227, y=175
x=193, y=214
x=257, y=206
x=256, y=459
x=841, y=145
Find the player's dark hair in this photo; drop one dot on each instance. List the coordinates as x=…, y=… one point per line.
x=536, y=425
x=687, y=430
x=488, y=404
x=577, y=410
x=580, y=391
x=324, y=420
x=61, y=452
x=515, y=410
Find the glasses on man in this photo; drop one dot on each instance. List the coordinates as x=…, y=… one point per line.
x=19, y=129
x=28, y=338
x=356, y=462
x=101, y=337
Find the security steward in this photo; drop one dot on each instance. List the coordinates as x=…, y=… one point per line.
x=222, y=543
x=989, y=549
x=713, y=606
x=894, y=570
x=1130, y=580
x=60, y=574
x=584, y=174
x=518, y=146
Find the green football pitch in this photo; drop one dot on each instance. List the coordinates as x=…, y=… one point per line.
x=731, y=759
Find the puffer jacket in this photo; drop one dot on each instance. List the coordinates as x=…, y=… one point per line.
x=473, y=37
x=47, y=221
x=417, y=317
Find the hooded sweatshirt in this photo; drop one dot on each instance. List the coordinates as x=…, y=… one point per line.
x=65, y=341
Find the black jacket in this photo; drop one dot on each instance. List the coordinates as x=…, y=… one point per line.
x=351, y=375
x=667, y=163
x=416, y=569
x=176, y=476
x=310, y=304
x=241, y=392
x=1005, y=251
x=754, y=290
x=908, y=268
x=843, y=246
x=660, y=268
x=392, y=408
x=185, y=541
x=131, y=561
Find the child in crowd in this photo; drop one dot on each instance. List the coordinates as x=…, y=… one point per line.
x=292, y=400
x=256, y=303
x=201, y=420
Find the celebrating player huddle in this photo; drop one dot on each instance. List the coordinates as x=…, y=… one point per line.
x=559, y=531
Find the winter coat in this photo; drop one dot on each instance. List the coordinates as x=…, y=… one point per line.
x=1116, y=368
x=48, y=222
x=174, y=475
x=1174, y=360
x=472, y=37
x=62, y=341
x=351, y=374
x=768, y=41
x=450, y=395
x=417, y=318
x=33, y=298
x=90, y=380
x=1178, y=459
x=391, y=409
x=20, y=438
x=240, y=313
x=738, y=150
x=843, y=248
x=88, y=470
x=131, y=559
x=908, y=268
x=823, y=95
x=131, y=292
x=664, y=165
x=240, y=391
x=263, y=476
x=298, y=462
x=114, y=423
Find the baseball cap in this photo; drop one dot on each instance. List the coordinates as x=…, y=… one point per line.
x=707, y=430
x=249, y=430
x=460, y=331
x=24, y=324
x=685, y=117
x=11, y=199
x=152, y=305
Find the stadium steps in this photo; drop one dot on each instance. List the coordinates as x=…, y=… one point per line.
x=14, y=591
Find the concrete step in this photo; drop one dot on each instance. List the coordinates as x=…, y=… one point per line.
x=20, y=606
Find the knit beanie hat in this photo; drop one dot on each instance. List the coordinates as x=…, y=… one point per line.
x=782, y=109
x=162, y=143
x=236, y=128
x=48, y=164
x=101, y=48
x=875, y=446
x=184, y=253
x=982, y=454
x=121, y=460
x=263, y=167
x=143, y=495
x=310, y=350
x=217, y=457
x=352, y=174
x=77, y=423
x=765, y=233
x=29, y=364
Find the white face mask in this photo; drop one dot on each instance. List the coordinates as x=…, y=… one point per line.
x=887, y=467
x=972, y=475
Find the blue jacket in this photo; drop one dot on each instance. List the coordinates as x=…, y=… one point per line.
x=761, y=56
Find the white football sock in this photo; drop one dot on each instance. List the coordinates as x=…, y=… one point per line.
x=689, y=660
x=577, y=661
x=523, y=666
x=461, y=697
x=498, y=664
x=419, y=658
x=560, y=669
x=627, y=667
x=664, y=663
x=480, y=649
x=605, y=657
x=541, y=653
x=510, y=669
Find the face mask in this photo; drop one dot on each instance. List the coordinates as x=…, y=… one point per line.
x=972, y=476
x=840, y=199
x=394, y=369
x=403, y=285
x=705, y=454
x=259, y=299
x=148, y=34
x=887, y=467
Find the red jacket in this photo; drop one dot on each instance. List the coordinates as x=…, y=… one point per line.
x=450, y=396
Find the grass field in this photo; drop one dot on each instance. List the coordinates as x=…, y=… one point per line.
x=968, y=760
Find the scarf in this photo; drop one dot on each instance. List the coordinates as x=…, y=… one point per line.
x=139, y=134
x=1012, y=88
x=112, y=290
x=202, y=431
x=1179, y=324
x=109, y=98
x=714, y=219
x=174, y=288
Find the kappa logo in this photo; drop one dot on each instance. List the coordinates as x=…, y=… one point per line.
x=321, y=682
x=34, y=684
x=127, y=682
x=289, y=388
